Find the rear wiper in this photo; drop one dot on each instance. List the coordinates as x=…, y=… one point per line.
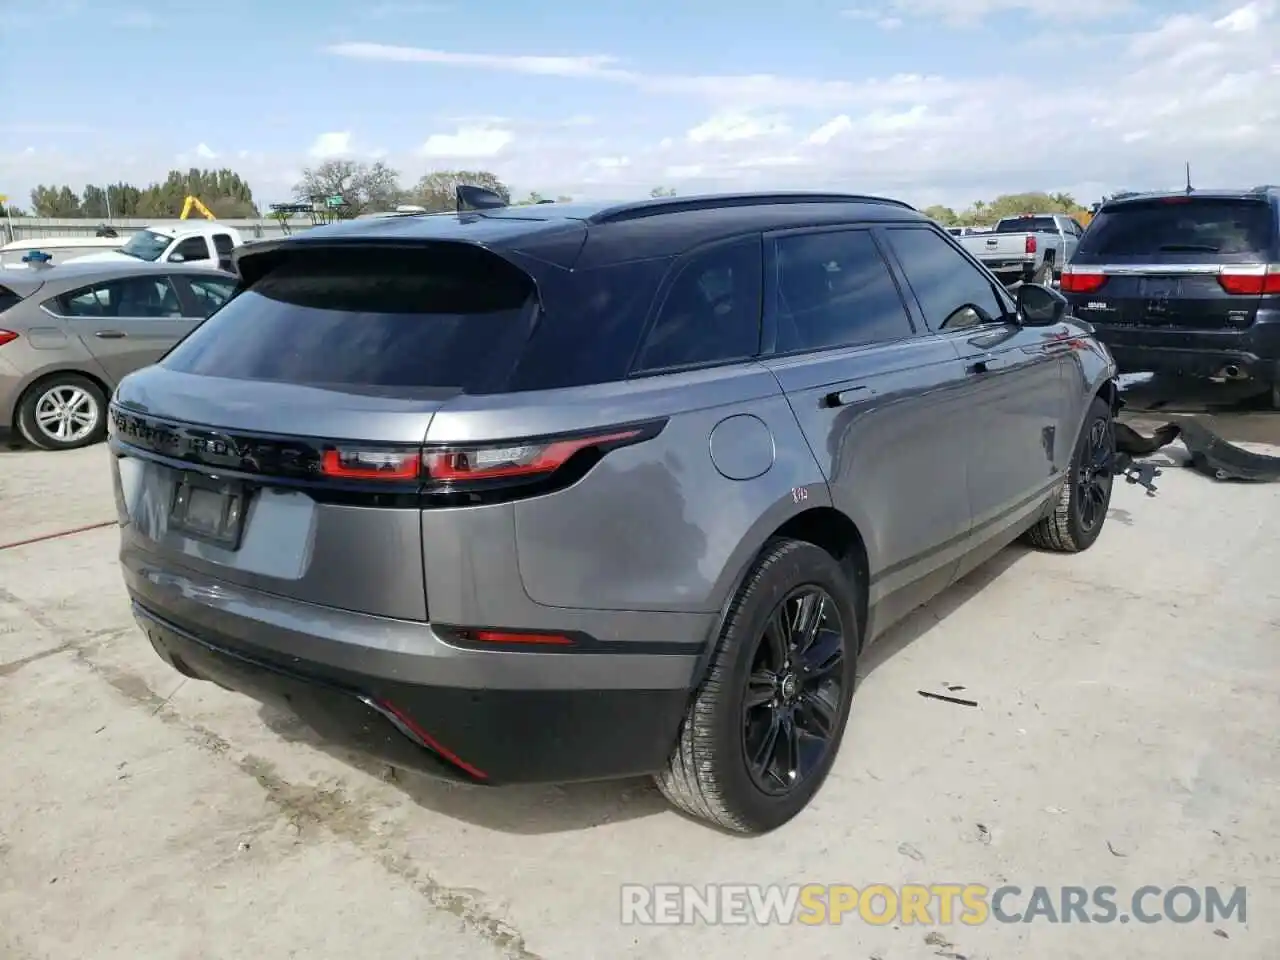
x=1189, y=248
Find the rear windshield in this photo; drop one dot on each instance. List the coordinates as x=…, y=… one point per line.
x=1027, y=225
x=1180, y=225
x=449, y=318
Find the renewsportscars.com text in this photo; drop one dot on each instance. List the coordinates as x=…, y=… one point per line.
x=936, y=904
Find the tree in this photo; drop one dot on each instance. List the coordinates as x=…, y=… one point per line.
x=9, y=210
x=55, y=201
x=366, y=187
x=437, y=191
x=944, y=215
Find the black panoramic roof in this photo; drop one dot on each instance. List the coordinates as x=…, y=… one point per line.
x=584, y=235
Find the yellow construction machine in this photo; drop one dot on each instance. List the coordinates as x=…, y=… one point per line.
x=194, y=203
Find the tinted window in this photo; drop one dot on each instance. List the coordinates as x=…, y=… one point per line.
x=711, y=312
x=834, y=290
x=223, y=244
x=131, y=297
x=192, y=248
x=210, y=293
x=944, y=282
x=1201, y=226
x=8, y=299
x=454, y=318
x=1028, y=225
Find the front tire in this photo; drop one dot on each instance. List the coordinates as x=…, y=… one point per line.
x=764, y=728
x=1081, y=511
x=64, y=412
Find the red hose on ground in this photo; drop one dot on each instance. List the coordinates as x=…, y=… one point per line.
x=55, y=536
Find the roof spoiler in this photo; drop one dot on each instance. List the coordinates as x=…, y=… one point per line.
x=477, y=198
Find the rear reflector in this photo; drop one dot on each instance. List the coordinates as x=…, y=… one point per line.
x=1073, y=282
x=504, y=636
x=7, y=336
x=1031, y=244
x=407, y=723
x=1252, y=281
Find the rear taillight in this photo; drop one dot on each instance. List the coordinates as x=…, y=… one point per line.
x=1251, y=281
x=1030, y=244
x=1082, y=282
x=517, y=460
x=7, y=336
x=462, y=468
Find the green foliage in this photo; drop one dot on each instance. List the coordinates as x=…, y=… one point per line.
x=986, y=212
x=437, y=191
x=223, y=191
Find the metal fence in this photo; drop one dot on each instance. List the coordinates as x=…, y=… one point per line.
x=42, y=228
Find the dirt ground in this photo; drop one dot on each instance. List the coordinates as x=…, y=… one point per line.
x=1125, y=734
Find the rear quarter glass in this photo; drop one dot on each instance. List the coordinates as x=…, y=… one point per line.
x=1181, y=229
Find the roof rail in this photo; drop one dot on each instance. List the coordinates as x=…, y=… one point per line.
x=656, y=206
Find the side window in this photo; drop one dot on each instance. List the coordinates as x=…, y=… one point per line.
x=951, y=291
x=711, y=313
x=223, y=244
x=192, y=248
x=209, y=294
x=835, y=290
x=134, y=297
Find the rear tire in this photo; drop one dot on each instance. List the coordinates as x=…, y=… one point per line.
x=1275, y=395
x=63, y=412
x=794, y=709
x=1081, y=511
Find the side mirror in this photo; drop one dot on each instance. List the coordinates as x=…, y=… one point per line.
x=1040, y=306
x=176, y=258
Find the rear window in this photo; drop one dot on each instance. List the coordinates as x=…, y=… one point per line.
x=8, y=299
x=1028, y=225
x=1205, y=227
x=450, y=318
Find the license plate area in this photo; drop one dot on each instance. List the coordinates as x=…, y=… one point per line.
x=1160, y=288
x=209, y=509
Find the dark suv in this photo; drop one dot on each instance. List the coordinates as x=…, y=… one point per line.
x=1185, y=283
x=562, y=492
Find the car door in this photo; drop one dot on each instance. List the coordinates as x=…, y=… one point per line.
x=127, y=322
x=878, y=402
x=1016, y=399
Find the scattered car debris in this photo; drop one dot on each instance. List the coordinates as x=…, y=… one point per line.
x=953, y=687
x=1114, y=851
x=984, y=835
x=1210, y=454
x=1221, y=933
x=946, y=699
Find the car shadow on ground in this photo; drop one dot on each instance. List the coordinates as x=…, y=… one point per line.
x=531, y=810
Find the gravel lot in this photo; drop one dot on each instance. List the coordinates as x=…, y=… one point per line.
x=1125, y=734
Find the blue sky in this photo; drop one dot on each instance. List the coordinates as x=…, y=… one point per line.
x=930, y=100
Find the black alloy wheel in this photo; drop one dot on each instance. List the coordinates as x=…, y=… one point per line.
x=1095, y=475
x=792, y=706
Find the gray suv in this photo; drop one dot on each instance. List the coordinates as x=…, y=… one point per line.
x=560, y=492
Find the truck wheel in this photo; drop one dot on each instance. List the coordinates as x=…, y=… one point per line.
x=1275, y=395
x=1044, y=275
x=764, y=728
x=1081, y=510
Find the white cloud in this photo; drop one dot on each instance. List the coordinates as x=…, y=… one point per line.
x=1203, y=88
x=731, y=127
x=479, y=143
x=329, y=146
x=969, y=12
x=205, y=153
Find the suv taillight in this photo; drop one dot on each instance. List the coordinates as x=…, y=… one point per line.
x=1251, y=281
x=1080, y=281
x=1031, y=244
x=7, y=336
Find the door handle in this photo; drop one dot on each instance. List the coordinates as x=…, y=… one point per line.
x=979, y=363
x=840, y=398
x=110, y=334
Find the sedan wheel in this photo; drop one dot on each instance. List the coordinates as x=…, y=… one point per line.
x=63, y=414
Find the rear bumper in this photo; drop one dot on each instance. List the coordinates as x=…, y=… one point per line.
x=478, y=736
x=1202, y=353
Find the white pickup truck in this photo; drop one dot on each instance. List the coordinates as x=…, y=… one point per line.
x=1031, y=248
x=205, y=246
